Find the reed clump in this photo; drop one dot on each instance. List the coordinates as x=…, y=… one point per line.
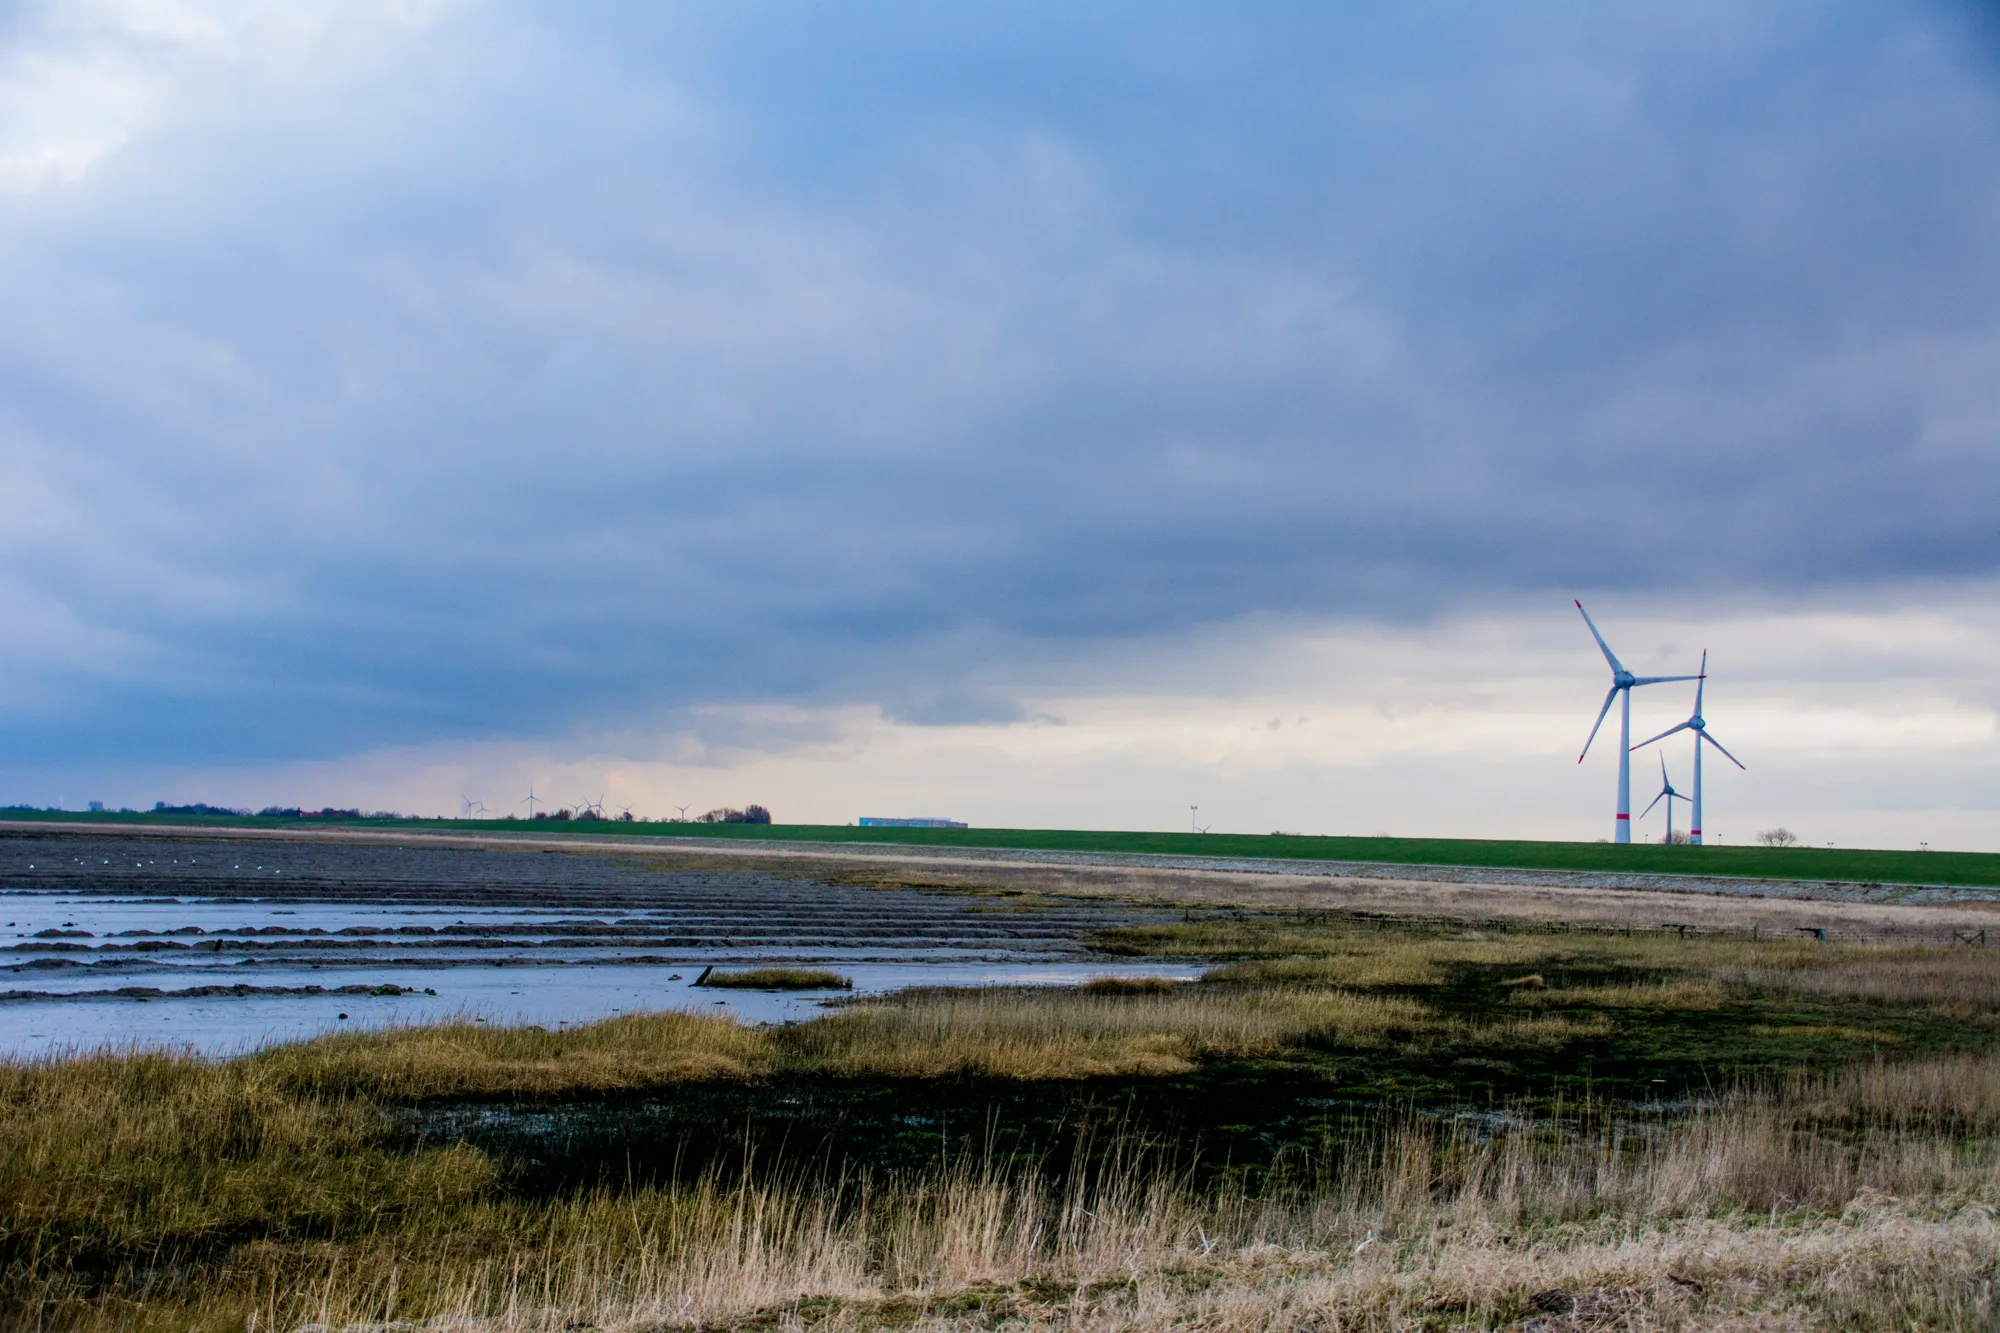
x=1131, y=986
x=1680, y=995
x=778, y=978
x=1048, y=1034
x=467, y=1059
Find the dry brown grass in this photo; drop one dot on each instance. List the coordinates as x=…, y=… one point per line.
x=1131, y=986
x=1255, y=1007
x=119, y=1153
x=153, y=1191
x=777, y=978
x=1959, y=1093
x=1743, y=1217
x=1667, y=995
x=1043, y=1034
x=1953, y=980
x=480, y=1060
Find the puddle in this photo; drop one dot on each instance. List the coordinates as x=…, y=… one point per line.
x=117, y=942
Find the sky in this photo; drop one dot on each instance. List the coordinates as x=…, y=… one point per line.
x=1038, y=415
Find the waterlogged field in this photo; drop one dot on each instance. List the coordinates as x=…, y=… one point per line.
x=1344, y=1123
x=226, y=945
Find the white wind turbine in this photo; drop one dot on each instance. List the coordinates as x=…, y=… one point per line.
x=1622, y=682
x=1700, y=730
x=1667, y=794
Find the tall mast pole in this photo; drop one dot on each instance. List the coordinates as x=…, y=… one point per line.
x=1623, y=831
x=1694, y=833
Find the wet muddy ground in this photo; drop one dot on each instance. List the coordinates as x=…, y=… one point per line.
x=224, y=944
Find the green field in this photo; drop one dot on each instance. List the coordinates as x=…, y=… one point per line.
x=1797, y=863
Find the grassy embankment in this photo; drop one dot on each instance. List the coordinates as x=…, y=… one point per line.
x=1856, y=865
x=1842, y=1172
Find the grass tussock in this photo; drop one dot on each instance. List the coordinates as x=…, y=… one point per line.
x=1131, y=986
x=1049, y=1034
x=778, y=978
x=463, y=1060
x=1683, y=996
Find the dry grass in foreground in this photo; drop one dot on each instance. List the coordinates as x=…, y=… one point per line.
x=1859, y=1201
x=286, y=1189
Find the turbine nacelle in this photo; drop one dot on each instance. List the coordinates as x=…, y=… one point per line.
x=1698, y=727
x=1622, y=681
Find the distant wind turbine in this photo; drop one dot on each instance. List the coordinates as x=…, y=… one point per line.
x=1667, y=794
x=531, y=800
x=1700, y=730
x=1623, y=683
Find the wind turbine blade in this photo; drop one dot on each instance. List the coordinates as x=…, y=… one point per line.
x=1725, y=754
x=1649, y=809
x=1665, y=785
x=1660, y=680
x=1663, y=735
x=1701, y=682
x=1602, y=646
x=1600, y=714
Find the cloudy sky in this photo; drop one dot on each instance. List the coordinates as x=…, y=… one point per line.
x=1034, y=414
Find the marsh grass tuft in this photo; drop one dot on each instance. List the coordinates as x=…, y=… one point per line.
x=1131, y=986
x=466, y=1060
x=778, y=978
x=1042, y=1033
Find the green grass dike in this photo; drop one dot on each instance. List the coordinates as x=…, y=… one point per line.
x=1862, y=866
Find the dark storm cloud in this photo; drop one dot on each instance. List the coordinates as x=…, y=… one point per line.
x=532, y=370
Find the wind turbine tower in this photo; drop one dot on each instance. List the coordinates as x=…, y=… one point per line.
x=1623, y=683
x=1669, y=795
x=1700, y=729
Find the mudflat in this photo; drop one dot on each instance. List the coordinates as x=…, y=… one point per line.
x=1596, y=899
